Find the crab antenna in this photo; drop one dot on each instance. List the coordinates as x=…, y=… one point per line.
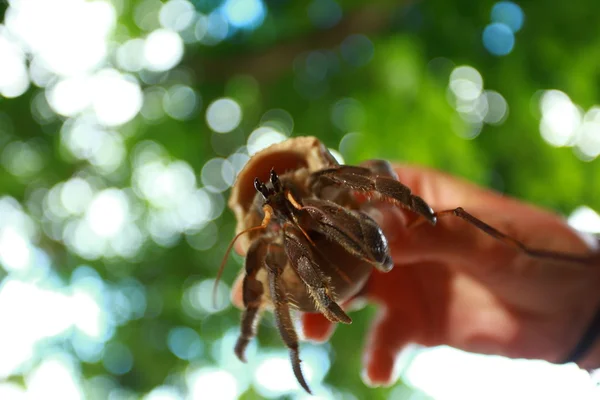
x=268, y=212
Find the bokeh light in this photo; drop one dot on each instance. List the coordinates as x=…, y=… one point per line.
x=585, y=219
x=212, y=382
x=466, y=83
x=180, y=102
x=13, y=73
x=163, y=49
x=324, y=13
x=474, y=105
x=177, y=15
x=184, y=342
x=357, y=50
x=560, y=118
x=498, y=39
x=509, y=14
x=247, y=14
x=263, y=137
x=223, y=115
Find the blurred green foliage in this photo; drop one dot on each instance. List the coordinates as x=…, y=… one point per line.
x=395, y=106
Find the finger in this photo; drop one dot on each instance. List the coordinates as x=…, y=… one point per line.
x=316, y=327
x=388, y=336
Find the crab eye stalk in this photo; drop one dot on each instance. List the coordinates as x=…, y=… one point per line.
x=275, y=181
x=261, y=188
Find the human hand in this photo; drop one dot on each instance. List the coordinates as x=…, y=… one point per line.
x=453, y=284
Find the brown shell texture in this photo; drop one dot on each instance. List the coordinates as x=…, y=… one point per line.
x=302, y=155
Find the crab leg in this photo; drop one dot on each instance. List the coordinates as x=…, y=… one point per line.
x=301, y=258
x=493, y=232
x=370, y=182
x=283, y=318
x=252, y=293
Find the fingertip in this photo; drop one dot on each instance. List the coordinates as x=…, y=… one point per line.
x=379, y=368
x=316, y=327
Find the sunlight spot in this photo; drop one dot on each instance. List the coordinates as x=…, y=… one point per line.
x=497, y=108
x=560, y=118
x=14, y=80
x=70, y=96
x=212, y=383
x=263, y=137
x=508, y=13
x=585, y=219
x=107, y=212
x=163, y=50
x=498, y=39
x=177, y=15
x=248, y=14
x=357, y=50
x=87, y=314
x=116, y=98
x=54, y=378
x=164, y=393
x=15, y=253
x=22, y=159
x=184, y=342
x=274, y=376
x=67, y=37
x=12, y=391
x=279, y=120
x=117, y=359
x=180, y=102
x=216, y=28
x=466, y=83
x=213, y=177
x=223, y=115
x=130, y=55
x=200, y=296
x=75, y=195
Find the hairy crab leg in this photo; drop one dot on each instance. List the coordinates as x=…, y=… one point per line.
x=302, y=261
x=252, y=292
x=283, y=318
x=369, y=182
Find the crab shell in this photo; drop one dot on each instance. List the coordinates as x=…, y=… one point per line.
x=299, y=156
x=294, y=159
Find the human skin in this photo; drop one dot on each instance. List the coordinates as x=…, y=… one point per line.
x=454, y=285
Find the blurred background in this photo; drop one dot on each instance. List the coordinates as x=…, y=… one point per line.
x=123, y=124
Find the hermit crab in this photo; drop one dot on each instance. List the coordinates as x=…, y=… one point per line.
x=309, y=242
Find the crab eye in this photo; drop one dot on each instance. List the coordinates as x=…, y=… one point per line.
x=275, y=181
x=261, y=188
